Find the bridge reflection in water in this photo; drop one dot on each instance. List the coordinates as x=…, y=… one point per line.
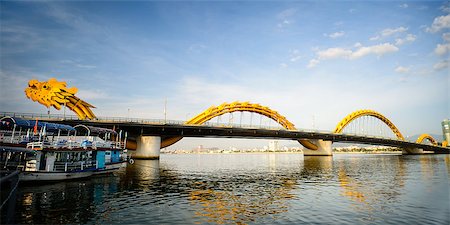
x=250, y=188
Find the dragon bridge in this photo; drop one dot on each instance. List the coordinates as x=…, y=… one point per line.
x=215, y=111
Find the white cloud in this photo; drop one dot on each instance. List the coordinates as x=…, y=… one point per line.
x=287, y=13
x=446, y=37
x=445, y=8
x=360, y=51
x=196, y=47
x=439, y=23
x=312, y=63
x=284, y=23
x=84, y=66
x=79, y=65
x=442, y=49
x=336, y=34
x=285, y=17
x=441, y=65
x=295, y=55
x=404, y=6
x=295, y=58
x=401, y=69
x=388, y=32
x=408, y=38
x=378, y=50
x=333, y=53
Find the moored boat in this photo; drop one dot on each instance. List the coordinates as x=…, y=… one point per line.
x=83, y=152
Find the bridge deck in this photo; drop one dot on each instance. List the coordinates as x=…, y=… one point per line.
x=172, y=130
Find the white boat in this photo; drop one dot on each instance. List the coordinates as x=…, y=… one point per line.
x=53, y=176
x=82, y=153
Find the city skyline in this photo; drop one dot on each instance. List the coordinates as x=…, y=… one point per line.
x=313, y=62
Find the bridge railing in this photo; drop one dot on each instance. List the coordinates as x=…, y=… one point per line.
x=38, y=116
x=61, y=117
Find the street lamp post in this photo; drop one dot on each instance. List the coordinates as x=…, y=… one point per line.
x=165, y=110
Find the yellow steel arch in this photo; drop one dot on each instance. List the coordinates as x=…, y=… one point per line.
x=215, y=111
x=422, y=137
x=366, y=112
x=240, y=107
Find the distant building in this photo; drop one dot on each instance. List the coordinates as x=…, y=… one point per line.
x=446, y=130
x=273, y=145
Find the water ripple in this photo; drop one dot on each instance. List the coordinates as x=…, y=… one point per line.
x=250, y=189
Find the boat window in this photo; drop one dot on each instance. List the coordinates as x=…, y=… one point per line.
x=29, y=157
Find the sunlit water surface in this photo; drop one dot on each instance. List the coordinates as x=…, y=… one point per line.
x=250, y=189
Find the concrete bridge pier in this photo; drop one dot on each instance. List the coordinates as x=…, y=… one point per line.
x=148, y=147
x=412, y=151
x=324, y=149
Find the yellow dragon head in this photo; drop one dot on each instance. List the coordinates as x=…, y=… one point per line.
x=55, y=93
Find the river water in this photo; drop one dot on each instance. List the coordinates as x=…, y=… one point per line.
x=250, y=189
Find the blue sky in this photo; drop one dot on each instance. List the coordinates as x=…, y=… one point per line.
x=309, y=59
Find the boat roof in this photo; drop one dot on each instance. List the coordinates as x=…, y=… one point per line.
x=24, y=123
x=27, y=150
x=15, y=149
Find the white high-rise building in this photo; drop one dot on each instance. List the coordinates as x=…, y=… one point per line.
x=273, y=145
x=446, y=130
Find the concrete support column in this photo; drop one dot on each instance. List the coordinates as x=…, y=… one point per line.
x=148, y=147
x=412, y=151
x=324, y=149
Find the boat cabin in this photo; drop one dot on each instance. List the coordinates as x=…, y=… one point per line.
x=57, y=147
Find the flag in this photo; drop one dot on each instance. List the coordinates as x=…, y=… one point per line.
x=35, y=127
